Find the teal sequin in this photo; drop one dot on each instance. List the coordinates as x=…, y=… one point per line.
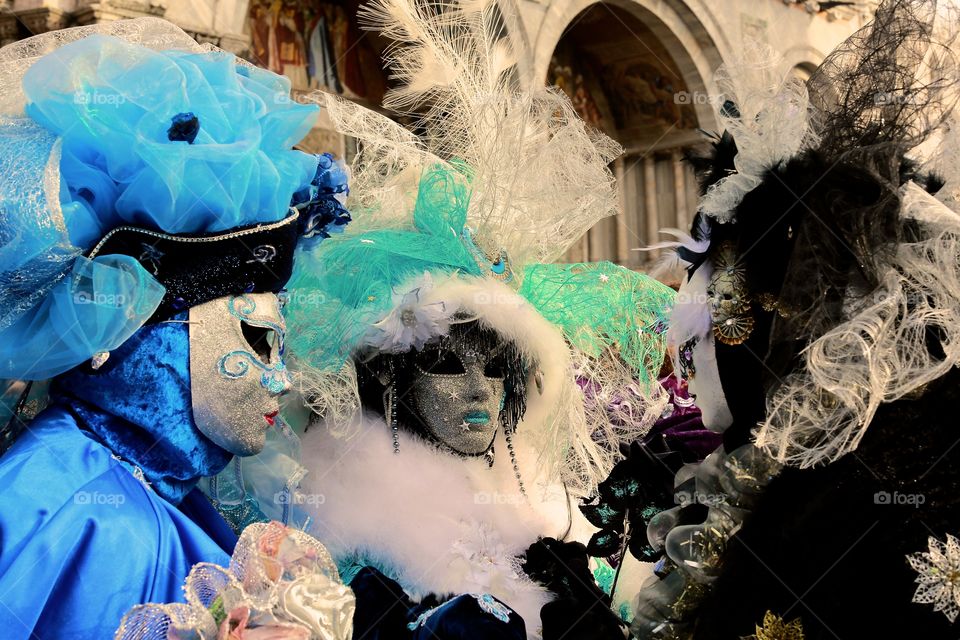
x=603, y=573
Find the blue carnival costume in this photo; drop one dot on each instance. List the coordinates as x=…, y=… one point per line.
x=84, y=535
x=142, y=175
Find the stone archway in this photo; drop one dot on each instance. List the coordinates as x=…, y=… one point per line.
x=693, y=47
x=651, y=77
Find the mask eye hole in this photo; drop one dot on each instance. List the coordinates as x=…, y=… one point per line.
x=496, y=367
x=260, y=340
x=440, y=362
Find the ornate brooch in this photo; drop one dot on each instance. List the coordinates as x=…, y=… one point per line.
x=938, y=576
x=729, y=302
x=774, y=628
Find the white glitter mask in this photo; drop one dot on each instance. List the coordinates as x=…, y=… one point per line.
x=237, y=370
x=458, y=393
x=703, y=375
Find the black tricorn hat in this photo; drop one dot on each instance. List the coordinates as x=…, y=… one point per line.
x=197, y=268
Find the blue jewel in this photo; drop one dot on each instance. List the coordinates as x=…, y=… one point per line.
x=499, y=267
x=178, y=303
x=184, y=128
x=422, y=618
x=493, y=606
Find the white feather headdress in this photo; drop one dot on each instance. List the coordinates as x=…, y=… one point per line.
x=539, y=176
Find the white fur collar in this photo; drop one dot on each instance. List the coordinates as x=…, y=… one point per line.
x=446, y=524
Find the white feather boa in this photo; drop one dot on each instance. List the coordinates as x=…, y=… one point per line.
x=445, y=524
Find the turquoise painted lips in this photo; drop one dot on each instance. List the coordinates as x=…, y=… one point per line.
x=477, y=417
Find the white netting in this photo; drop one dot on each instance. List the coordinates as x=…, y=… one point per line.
x=16, y=58
x=617, y=406
x=882, y=353
x=385, y=173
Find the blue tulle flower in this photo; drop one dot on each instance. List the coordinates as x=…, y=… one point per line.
x=322, y=218
x=121, y=111
x=329, y=179
x=331, y=176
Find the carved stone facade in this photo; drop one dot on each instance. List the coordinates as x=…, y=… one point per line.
x=641, y=70
x=221, y=23
x=645, y=68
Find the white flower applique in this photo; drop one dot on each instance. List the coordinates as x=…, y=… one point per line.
x=412, y=324
x=485, y=554
x=939, y=576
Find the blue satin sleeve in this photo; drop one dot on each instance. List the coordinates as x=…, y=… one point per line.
x=81, y=539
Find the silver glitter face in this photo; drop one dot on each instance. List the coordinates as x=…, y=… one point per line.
x=236, y=369
x=458, y=393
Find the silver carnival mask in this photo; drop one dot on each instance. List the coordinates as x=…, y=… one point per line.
x=458, y=392
x=698, y=358
x=237, y=370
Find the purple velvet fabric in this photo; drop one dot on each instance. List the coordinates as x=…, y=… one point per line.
x=681, y=429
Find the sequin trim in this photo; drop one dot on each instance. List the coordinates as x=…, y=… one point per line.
x=213, y=238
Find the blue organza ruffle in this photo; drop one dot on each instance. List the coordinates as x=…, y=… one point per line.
x=57, y=308
x=116, y=107
x=96, y=308
x=321, y=203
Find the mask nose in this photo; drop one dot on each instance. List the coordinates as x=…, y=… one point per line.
x=277, y=380
x=479, y=389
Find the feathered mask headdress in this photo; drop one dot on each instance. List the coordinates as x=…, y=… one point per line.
x=500, y=181
x=838, y=241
